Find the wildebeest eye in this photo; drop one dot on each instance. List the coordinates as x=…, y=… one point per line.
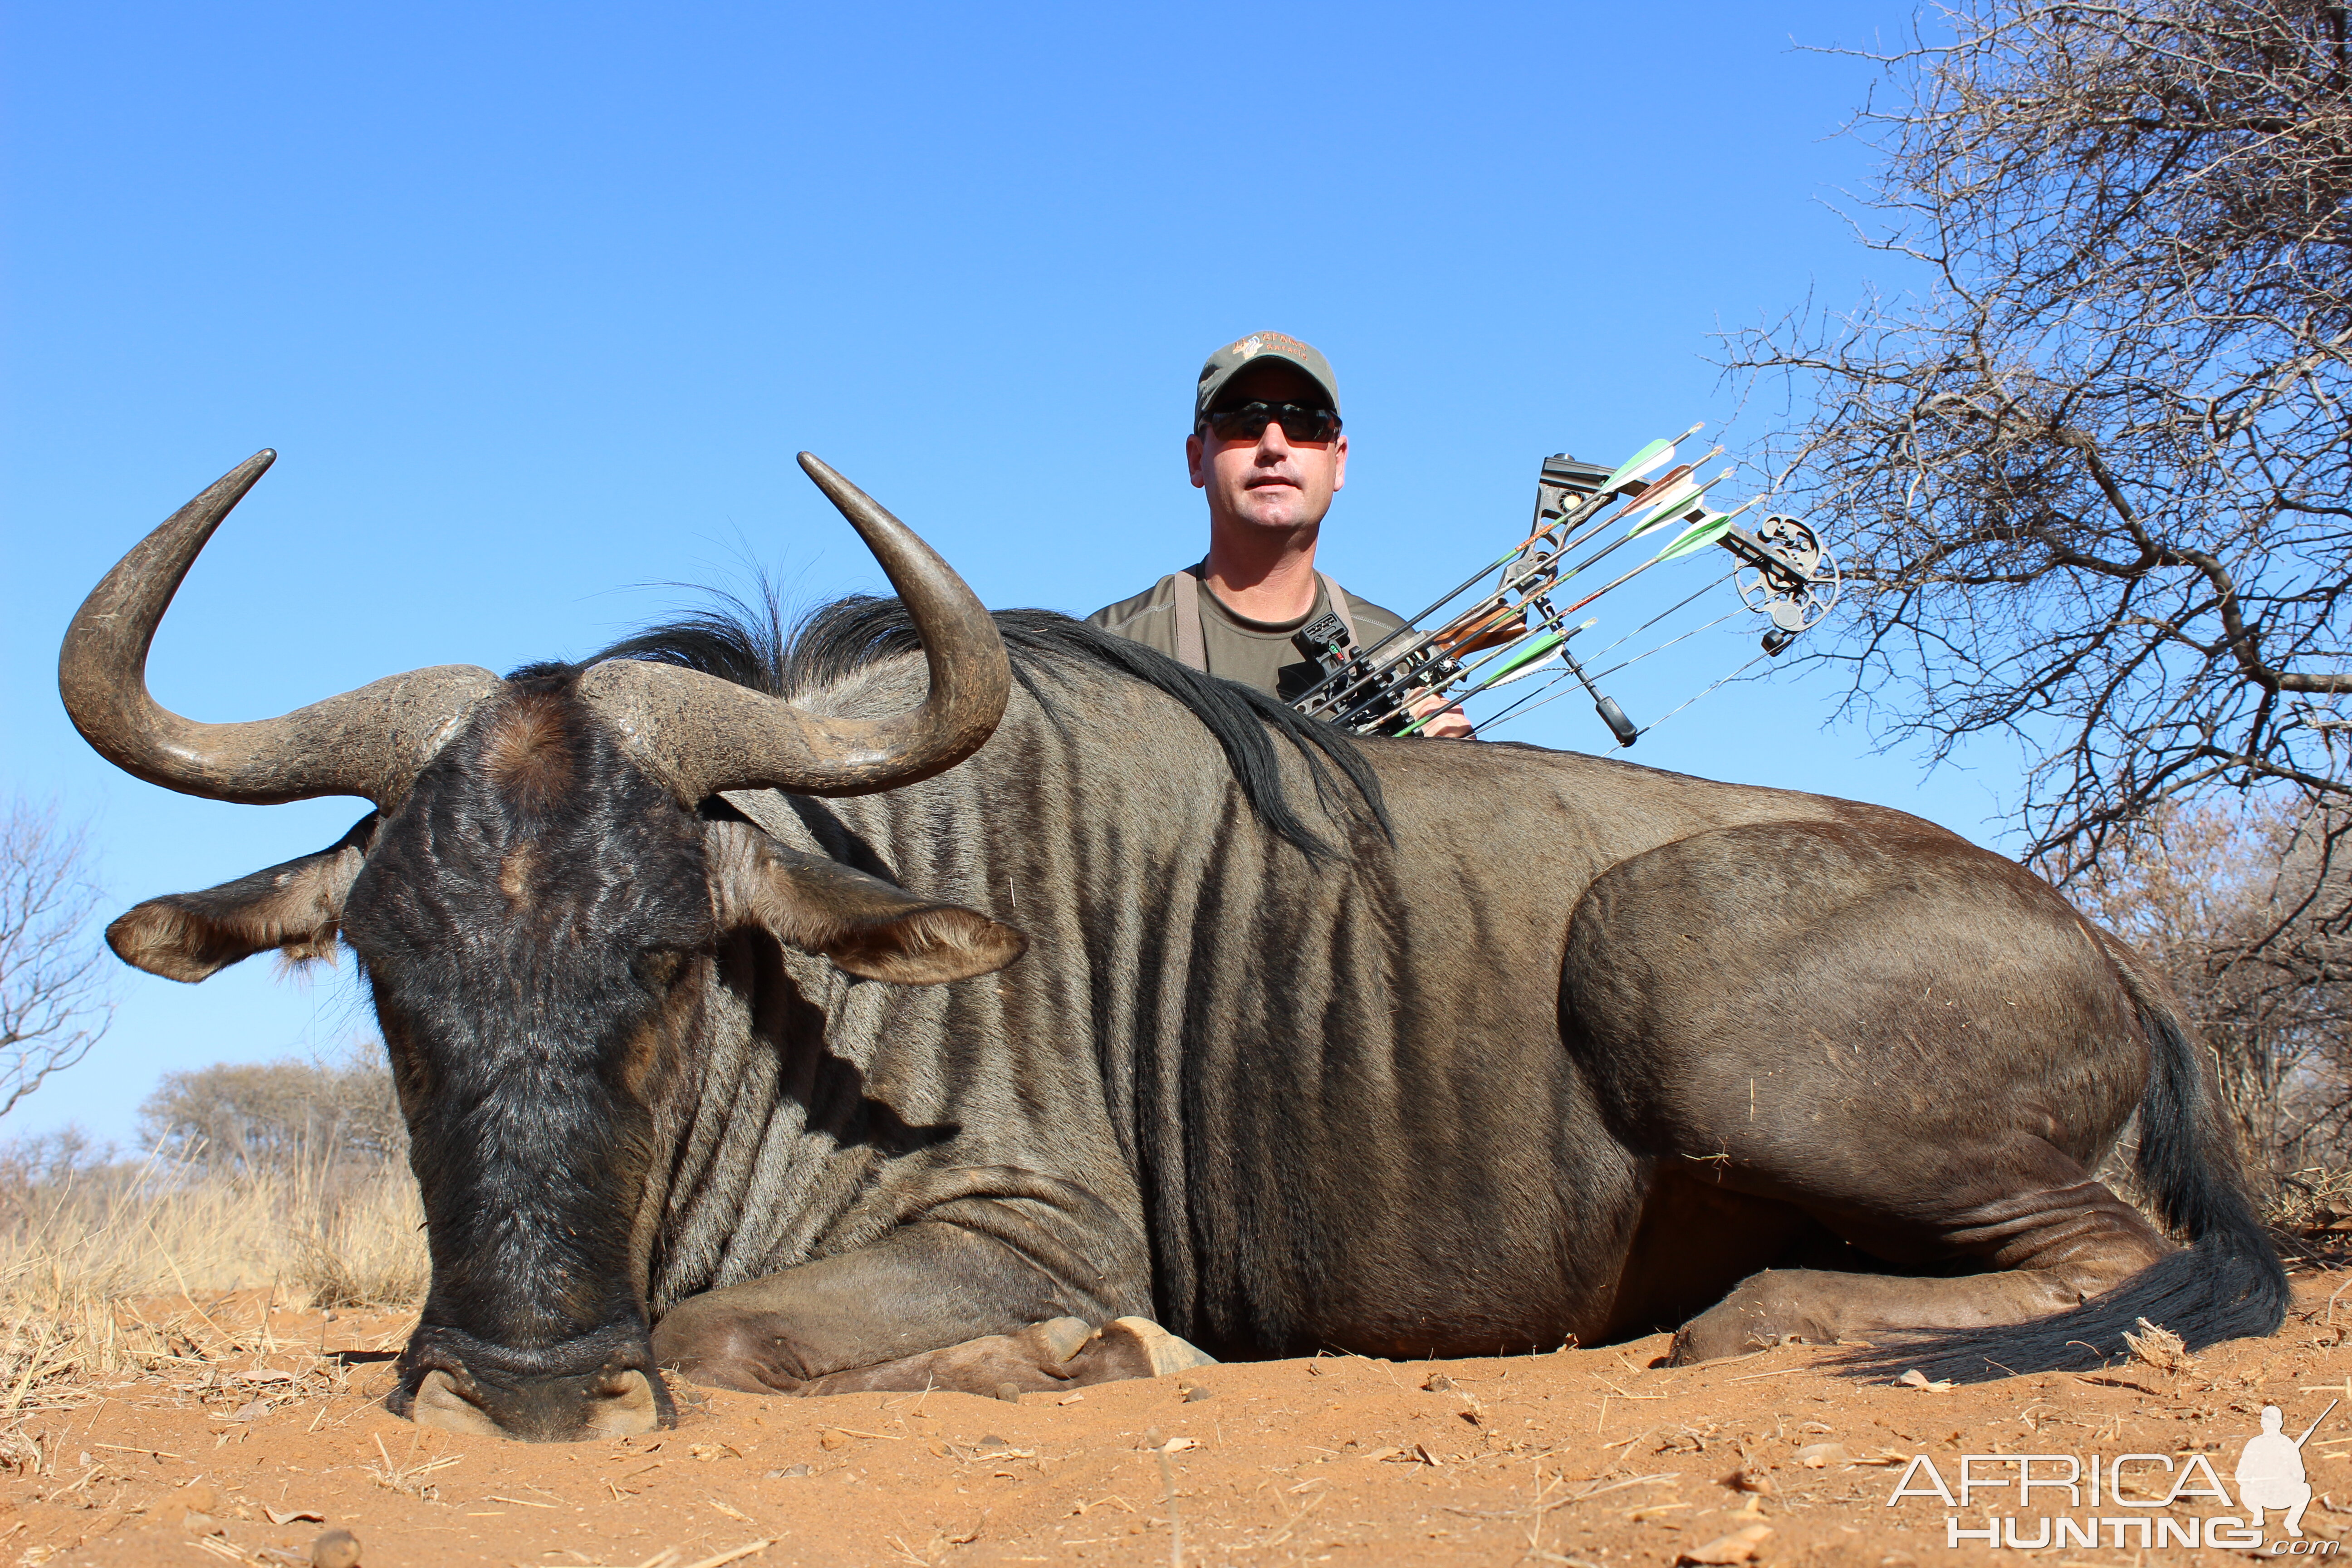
x=658, y=968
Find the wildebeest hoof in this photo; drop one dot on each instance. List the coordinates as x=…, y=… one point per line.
x=1061, y=1338
x=1140, y=1341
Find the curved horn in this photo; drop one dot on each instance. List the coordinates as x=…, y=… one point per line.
x=700, y=736
x=370, y=742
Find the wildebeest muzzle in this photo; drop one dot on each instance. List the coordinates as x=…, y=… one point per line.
x=599, y=1385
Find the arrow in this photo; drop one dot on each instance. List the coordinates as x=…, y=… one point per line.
x=1353, y=676
x=1523, y=660
x=1669, y=554
x=1709, y=528
x=1647, y=460
x=1680, y=495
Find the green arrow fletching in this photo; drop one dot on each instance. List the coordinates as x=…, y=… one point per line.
x=1667, y=508
x=1685, y=501
x=1649, y=460
x=1538, y=666
x=1530, y=650
x=1698, y=536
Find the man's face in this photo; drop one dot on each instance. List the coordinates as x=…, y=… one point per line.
x=1271, y=482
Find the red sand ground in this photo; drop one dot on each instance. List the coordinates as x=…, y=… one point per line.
x=1583, y=1458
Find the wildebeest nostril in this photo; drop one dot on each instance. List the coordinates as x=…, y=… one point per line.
x=438, y=1402
x=622, y=1404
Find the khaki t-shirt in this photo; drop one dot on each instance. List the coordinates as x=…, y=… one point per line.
x=1256, y=653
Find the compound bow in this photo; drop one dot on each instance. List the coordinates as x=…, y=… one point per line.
x=1513, y=629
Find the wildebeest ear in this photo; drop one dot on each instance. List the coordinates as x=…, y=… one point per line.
x=295, y=908
x=862, y=923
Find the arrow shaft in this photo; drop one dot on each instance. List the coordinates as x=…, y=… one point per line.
x=1605, y=588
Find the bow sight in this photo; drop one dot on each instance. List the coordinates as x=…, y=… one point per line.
x=1503, y=626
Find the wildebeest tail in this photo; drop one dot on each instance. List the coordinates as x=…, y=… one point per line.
x=2225, y=1284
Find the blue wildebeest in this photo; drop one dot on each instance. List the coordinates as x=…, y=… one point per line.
x=704, y=983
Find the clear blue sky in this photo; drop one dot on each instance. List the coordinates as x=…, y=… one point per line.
x=538, y=302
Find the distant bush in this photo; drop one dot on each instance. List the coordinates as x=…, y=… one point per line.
x=278, y=1117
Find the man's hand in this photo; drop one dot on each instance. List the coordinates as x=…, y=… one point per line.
x=1450, y=725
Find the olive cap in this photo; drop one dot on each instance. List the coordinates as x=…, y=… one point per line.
x=1236, y=357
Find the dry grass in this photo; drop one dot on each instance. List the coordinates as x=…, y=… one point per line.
x=2308, y=1213
x=2315, y=1200
x=363, y=1249
x=86, y=1257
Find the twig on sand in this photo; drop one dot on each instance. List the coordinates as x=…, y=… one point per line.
x=726, y=1557
x=1175, y=1525
x=668, y=1556
x=1279, y=1536
x=1591, y=1491
x=1620, y=1486
x=383, y=1342
x=1537, y=1511
x=395, y=1477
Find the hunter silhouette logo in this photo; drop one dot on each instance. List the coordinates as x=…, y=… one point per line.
x=2270, y=1479
x=2270, y=1473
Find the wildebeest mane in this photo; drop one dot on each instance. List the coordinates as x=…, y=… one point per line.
x=752, y=646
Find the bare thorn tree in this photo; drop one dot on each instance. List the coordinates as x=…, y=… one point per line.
x=2093, y=477
x=54, y=1002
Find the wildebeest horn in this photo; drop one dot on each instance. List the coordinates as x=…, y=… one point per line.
x=370, y=743
x=701, y=735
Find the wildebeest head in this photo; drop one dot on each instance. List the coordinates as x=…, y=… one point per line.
x=536, y=901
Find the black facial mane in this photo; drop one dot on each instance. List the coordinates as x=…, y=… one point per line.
x=752, y=646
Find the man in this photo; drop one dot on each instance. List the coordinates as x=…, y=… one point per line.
x=1267, y=448
x=2271, y=1474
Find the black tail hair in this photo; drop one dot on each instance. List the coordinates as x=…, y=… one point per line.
x=2227, y=1284
x=749, y=644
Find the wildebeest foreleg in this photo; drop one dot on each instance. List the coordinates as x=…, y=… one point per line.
x=1062, y=1353
x=931, y=1304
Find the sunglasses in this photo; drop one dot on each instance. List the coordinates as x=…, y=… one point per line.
x=1248, y=422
